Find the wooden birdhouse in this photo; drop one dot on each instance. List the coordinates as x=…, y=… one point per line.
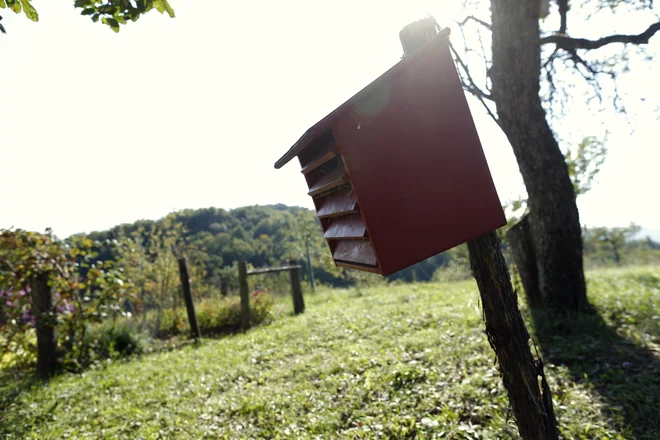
x=397, y=173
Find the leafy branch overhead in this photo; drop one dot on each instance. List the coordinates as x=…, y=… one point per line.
x=112, y=13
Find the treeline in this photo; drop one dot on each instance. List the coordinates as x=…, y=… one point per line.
x=215, y=239
x=619, y=246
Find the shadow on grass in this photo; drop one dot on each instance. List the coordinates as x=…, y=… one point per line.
x=625, y=374
x=13, y=383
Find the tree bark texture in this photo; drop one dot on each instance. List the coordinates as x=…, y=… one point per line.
x=44, y=314
x=507, y=334
x=522, y=248
x=554, y=219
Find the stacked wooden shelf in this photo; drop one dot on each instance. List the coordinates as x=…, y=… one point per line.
x=337, y=207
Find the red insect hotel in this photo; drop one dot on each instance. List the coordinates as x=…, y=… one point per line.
x=397, y=173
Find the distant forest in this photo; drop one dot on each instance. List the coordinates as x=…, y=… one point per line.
x=261, y=235
x=274, y=234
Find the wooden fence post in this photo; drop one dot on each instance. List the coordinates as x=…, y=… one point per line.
x=531, y=402
x=296, y=289
x=187, y=296
x=223, y=286
x=310, y=268
x=44, y=314
x=245, y=295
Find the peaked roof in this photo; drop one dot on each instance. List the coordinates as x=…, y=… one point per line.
x=318, y=129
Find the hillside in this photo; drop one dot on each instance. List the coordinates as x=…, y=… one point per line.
x=272, y=234
x=261, y=235
x=406, y=361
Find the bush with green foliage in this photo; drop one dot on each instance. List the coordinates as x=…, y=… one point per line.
x=86, y=291
x=456, y=270
x=217, y=316
x=116, y=339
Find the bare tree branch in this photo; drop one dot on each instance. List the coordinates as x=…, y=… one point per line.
x=471, y=86
x=476, y=20
x=563, y=12
x=568, y=43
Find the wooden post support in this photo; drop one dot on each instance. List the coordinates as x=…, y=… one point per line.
x=44, y=314
x=296, y=288
x=245, y=295
x=223, y=286
x=507, y=334
x=310, y=268
x=187, y=296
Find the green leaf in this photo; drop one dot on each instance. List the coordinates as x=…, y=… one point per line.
x=29, y=10
x=14, y=5
x=169, y=9
x=3, y=5
x=114, y=25
x=159, y=5
x=95, y=17
x=89, y=11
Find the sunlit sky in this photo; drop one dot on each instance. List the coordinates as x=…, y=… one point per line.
x=100, y=128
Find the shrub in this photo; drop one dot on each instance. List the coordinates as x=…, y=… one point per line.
x=217, y=316
x=172, y=321
x=454, y=271
x=118, y=339
x=85, y=291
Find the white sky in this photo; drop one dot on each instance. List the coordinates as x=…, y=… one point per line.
x=100, y=128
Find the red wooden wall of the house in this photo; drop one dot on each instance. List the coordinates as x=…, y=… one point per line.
x=416, y=163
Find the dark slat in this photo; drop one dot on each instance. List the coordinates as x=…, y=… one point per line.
x=346, y=227
x=320, y=158
x=328, y=181
x=361, y=267
x=355, y=251
x=338, y=203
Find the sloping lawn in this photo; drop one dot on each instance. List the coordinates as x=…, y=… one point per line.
x=408, y=361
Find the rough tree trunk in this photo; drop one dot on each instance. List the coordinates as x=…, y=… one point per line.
x=522, y=248
x=531, y=402
x=554, y=220
x=44, y=314
x=507, y=334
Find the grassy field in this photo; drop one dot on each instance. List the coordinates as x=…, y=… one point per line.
x=406, y=361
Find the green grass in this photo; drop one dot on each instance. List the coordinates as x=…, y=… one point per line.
x=405, y=361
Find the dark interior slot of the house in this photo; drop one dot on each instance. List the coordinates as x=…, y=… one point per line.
x=355, y=251
x=328, y=176
x=357, y=266
x=317, y=154
x=346, y=227
x=318, y=146
x=341, y=201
